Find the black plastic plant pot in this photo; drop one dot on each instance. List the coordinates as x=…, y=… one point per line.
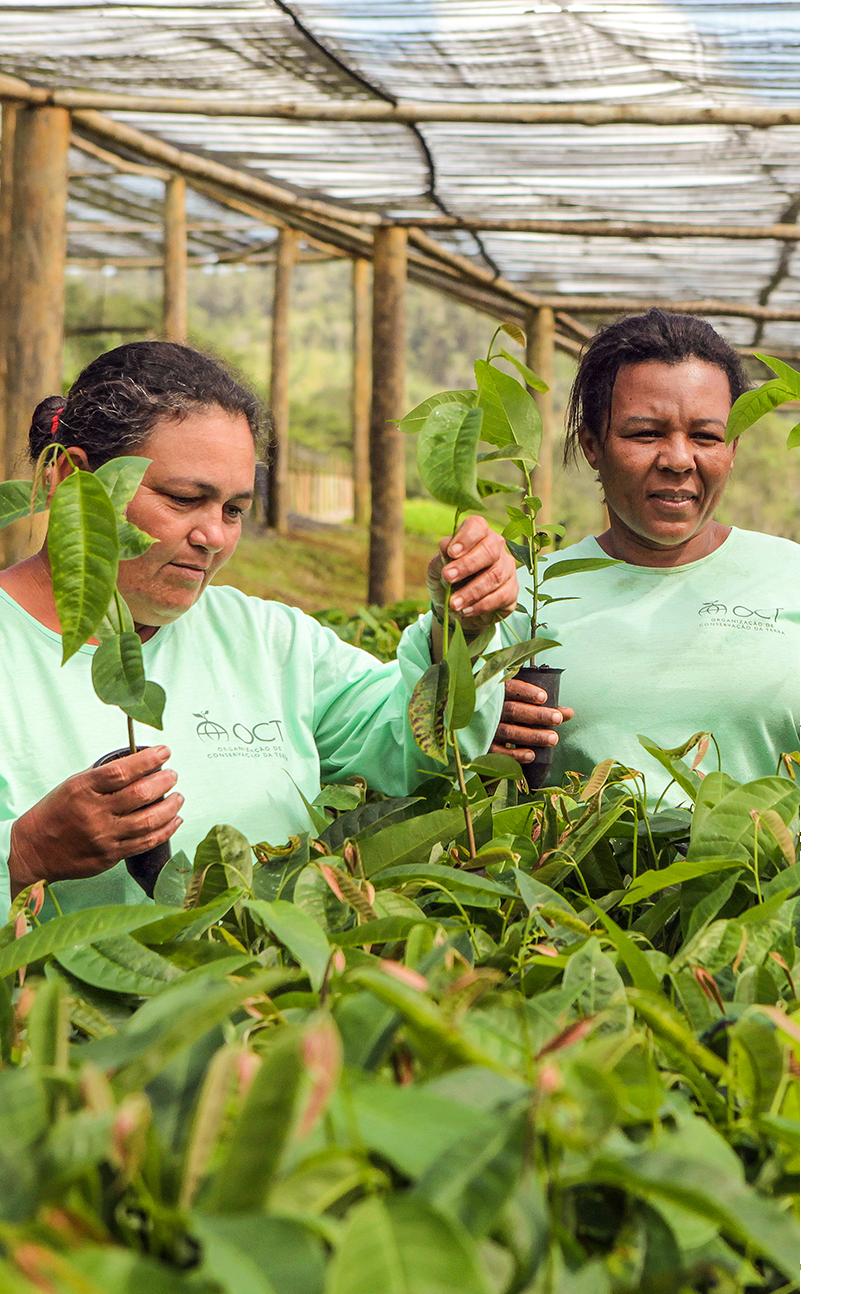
x=146, y=866
x=548, y=678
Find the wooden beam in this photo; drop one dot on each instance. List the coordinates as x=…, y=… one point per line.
x=634, y=229
x=7, y=163
x=33, y=301
x=278, y=484
x=540, y=355
x=361, y=389
x=175, y=319
x=705, y=306
x=387, y=448
x=115, y=161
x=528, y=114
x=192, y=166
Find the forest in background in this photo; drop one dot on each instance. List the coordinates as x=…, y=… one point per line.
x=229, y=314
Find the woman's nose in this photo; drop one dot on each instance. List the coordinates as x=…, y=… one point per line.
x=208, y=534
x=676, y=454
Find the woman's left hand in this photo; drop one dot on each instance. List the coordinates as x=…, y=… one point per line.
x=476, y=565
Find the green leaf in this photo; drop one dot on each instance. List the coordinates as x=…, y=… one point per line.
x=366, y=818
x=409, y=842
x=119, y=965
x=793, y=440
x=83, y=551
x=15, y=498
x=742, y=1214
x=296, y=931
x=121, y=477
x=245, y=1176
x=150, y=708
x=511, y=416
x=258, y=1254
x=651, y=882
x=404, y=1246
x=76, y=928
x=515, y=333
x=227, y=848
x=680, y=772
x=632, y=956
x=531, y=378
x=575, y=566
x=751, y=407
x=173, y=880
x=787, y=374
x=117, y=670
x=668, y=1024
x=413, y=421
x=132, y=542
x=446, y=449
x=475, y=1176
x=726, y=826
x=509, y=657
x=460, y=703
x=427, y=711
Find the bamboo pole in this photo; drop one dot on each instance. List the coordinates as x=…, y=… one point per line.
x=33, y=301
x=705, y=306
x=175, y=322
x=540, y=355
x=387, y=450
x=361, y=389
x=7, y=161
x=528, y=114
x=606, y=228
x=278, y=456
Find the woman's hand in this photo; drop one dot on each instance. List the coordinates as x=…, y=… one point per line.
x=477, y=566
x=526, y=722
x=93, y=819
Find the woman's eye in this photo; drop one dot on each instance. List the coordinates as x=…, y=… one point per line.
x=180, y=498
x=234, y=512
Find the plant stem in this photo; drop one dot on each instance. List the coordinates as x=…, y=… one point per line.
x=532, y=550
x=130, y=724
x=464, y=797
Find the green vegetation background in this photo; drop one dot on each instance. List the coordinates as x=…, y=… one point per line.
x=325, y=566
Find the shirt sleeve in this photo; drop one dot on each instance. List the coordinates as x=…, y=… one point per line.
x=361, y=711
x=5, y=879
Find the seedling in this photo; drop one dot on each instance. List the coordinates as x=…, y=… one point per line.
x=749, y=408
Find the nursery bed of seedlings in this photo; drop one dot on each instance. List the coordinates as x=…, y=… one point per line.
x=364, y=1062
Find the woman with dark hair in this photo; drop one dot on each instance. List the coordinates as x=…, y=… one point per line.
x=261, y=700
x=697, y=628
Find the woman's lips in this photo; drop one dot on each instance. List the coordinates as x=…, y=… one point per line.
x=673, y=501
x=190, y=572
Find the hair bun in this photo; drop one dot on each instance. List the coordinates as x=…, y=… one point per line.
x=43, y=429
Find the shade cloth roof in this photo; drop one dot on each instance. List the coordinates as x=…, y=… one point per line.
x=687, y=52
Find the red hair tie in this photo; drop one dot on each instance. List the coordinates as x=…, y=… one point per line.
x=54, y=425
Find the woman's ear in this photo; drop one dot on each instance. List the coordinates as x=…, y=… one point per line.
x=589, y=447
x=61, y=468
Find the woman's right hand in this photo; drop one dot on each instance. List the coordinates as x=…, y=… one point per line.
x=93, y=819
x=527, y=722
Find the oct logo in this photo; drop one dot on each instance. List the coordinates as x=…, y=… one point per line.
x=268, y=730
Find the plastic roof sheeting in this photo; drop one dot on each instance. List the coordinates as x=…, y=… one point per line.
x=693, y=53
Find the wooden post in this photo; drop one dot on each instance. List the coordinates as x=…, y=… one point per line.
x=175, y=323
x=33, y=297
x=361, y=383
x=278, y=483
x=7, y=161
x=541, y=356
x=387, y=448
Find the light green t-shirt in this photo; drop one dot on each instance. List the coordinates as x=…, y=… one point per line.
x=666, y=652
x=262, y=703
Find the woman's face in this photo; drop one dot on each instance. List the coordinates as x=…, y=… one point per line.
x=192, y=500
x=663, y=461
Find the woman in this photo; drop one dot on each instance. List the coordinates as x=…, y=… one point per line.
x=261, y=700
x=697, y=628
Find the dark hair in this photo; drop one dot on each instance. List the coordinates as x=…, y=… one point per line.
x=117, y=400
x=656, y=335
